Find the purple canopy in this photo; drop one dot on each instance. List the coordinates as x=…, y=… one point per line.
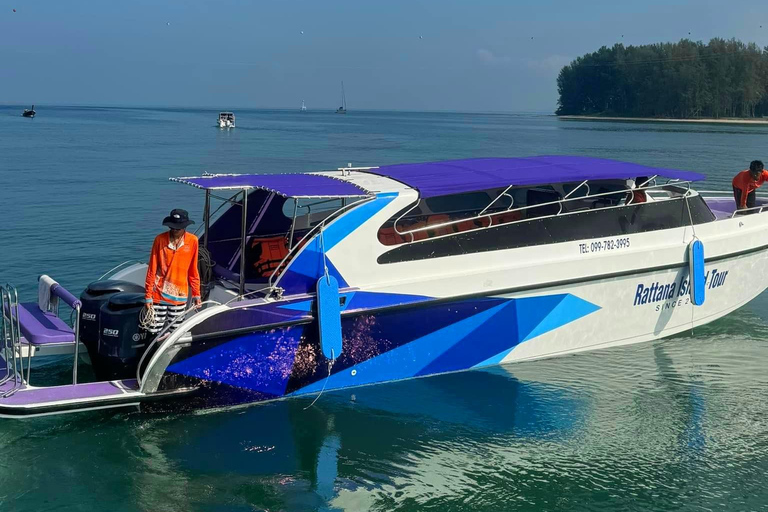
x=288, y=185
x=457, y=176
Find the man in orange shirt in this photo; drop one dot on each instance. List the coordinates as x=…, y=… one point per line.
x=172, y=271
x=746, y=182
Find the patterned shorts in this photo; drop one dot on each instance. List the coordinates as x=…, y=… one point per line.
x=167, y=314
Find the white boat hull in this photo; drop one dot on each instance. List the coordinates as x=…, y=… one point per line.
x=444, y=315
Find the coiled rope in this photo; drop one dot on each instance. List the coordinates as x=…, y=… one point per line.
x=205, y=266
x=147, y=317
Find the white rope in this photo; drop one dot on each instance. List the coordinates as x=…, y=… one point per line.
x=690, y=217
x=147, y=318
x=325, y=259
x=330, y=365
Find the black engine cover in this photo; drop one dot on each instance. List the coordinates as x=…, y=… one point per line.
x=121, y=341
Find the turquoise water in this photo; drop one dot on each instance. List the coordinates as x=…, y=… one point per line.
x=679, y=424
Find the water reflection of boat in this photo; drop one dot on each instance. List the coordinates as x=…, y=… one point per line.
x=488, y=403
x=457, y=265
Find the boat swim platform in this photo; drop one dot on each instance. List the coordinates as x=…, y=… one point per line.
x=18, y=399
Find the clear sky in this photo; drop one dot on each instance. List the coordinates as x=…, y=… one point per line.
x=477, y=55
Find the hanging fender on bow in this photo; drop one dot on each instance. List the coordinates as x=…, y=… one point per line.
x=328, y=310
x=696, y=271
x=329, y=316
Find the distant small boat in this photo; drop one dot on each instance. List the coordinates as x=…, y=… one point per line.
x=343, y=108
x=226, y=120
x=303, y=107
x=29, y=112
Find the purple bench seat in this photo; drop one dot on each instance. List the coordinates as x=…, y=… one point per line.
x=41, y=328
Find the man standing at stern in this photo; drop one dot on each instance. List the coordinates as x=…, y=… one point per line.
x=746, y=182
x=172, y=271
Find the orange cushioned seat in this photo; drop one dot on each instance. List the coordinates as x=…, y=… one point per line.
x=507, y=217
x=466, y=225
x=388, y=236
x=419, y=235
x=440, y=231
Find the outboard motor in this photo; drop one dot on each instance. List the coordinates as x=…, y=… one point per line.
x=121, y=341
x=96, y=295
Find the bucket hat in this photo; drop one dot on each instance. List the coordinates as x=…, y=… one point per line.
x=178, y=219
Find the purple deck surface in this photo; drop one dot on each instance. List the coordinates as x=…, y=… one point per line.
x=243, y=318
x=40, y=328
x=459, y=176
x=39, y=396
x=723, y=207
x=288, y=185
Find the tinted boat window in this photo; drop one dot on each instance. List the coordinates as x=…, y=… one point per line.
x=458, y=202
x=457, y=213
x=542, y=196
x=583, y=225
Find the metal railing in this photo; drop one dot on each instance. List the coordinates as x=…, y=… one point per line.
x=742, y=211
x=310, y=234
x=11, y=339
x=684, y=192
x=11, y=345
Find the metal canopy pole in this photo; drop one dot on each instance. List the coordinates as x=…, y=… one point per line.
x=77, y=345
x=293, y=223
x=206, y=217
x=242, y=243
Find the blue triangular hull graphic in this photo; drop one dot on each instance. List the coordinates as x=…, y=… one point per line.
x=482, y=339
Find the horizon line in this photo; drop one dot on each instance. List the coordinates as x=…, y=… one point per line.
x=319, y=109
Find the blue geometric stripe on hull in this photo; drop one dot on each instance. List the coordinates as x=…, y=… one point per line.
x=382, y=346
x=261, y=361
x=462, y=344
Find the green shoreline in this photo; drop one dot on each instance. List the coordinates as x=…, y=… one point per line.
x=666, y=120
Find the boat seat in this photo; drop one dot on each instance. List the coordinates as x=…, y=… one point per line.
x=466, y=225
x=439, y=219
x=388, y=236
x=41, y=328
x=507, y=217
x=482, y=222
x=419, y=235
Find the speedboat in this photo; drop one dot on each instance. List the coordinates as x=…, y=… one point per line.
x=358, y=276
x=226, y=120
x=29, y=112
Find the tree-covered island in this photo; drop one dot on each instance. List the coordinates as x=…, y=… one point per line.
x=684, y=80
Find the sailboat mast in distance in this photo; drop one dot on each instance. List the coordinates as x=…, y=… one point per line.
x=343, y=108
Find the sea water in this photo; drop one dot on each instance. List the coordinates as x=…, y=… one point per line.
x=679, y=424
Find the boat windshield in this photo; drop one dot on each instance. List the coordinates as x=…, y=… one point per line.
x=276, y=227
